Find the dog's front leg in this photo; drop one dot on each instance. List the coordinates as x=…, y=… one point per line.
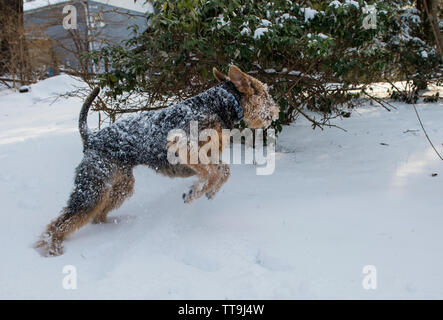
x=208, y=177
x=224, y=173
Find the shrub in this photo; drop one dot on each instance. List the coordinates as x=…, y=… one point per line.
x=313, y=54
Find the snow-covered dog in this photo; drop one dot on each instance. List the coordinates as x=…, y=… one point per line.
x=104, y=178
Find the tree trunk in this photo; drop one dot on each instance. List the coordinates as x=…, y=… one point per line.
x=13, y=52
x=432, y=9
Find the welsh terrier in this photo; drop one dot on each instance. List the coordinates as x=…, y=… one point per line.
x=104, y=178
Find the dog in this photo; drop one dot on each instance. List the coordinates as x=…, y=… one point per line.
x=104, y=178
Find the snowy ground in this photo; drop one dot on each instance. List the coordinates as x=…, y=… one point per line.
x=336, y=202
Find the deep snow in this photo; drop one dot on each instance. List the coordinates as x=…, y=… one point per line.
x=337, y=201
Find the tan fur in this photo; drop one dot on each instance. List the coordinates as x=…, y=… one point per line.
x=208, y=175
x=258, y=108
x=177, y=171
x=122, y=188
x=223, y=175
x=60, y=228
x=218, y=75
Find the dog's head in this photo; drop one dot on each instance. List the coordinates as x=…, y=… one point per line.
x=259, y=109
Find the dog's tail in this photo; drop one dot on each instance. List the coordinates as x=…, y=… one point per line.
x=82, y=121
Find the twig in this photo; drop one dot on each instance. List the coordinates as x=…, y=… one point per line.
x=313, y=121
x=423, y=127
x=379, y=101
x=426, y=134
x=5, y=83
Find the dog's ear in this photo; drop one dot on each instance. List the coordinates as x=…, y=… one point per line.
x=218, y=75
x=240, y=80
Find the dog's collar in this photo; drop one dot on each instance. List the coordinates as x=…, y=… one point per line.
x=237, y=107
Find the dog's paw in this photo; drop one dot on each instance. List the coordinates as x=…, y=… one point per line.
x=48, y=250
x=188, y=196
x=210, y=194
x=49, y=247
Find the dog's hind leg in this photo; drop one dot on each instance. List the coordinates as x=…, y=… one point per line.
x=89, y=198
x=122, y=188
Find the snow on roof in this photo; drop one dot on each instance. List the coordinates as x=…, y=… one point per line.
x=139, y=5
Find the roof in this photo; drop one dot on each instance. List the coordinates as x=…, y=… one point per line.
x=138, y=5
